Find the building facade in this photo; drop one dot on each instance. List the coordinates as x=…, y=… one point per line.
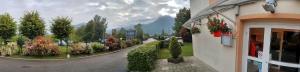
x=261, y=41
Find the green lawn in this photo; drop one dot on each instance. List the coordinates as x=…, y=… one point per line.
x=187, y=50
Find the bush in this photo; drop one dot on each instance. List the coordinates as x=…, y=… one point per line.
x=41, y=46
x=175, y=51
x=143, y=58
x=174, y=47
x=8, y=50
x=123, y=44
x=80, y=48
x=98, y=47
x=112, y=43
x=129, y=43
x=136, y=41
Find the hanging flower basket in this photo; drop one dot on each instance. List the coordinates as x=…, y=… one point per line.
x=217, y=33
x=195, y=30
x=218, y=26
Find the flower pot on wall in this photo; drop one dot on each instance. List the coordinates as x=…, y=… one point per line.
x=217, y=33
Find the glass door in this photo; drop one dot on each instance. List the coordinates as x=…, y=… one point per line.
x=254, y=49
x=271, y=48
x=284, y=50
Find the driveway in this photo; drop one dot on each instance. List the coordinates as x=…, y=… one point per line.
x=115, y=62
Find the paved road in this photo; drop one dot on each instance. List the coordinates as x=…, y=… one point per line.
x=115, y=62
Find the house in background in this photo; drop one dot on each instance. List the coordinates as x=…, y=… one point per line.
x=130, y=34
x=265, y=35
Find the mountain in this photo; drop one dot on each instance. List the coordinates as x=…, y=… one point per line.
x=165, y=23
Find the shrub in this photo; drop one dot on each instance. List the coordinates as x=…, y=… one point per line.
x=9, y=49
x=80, y=48
x=174, y=47
x=136, y=41
x=112, y=43
x=41, y=46
x=123, y=44
x=143, y=58
x=97, y=47
x=129, y=43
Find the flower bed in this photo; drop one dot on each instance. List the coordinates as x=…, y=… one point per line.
x=41, y=46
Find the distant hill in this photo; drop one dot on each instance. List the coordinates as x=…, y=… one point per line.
x=165, y=23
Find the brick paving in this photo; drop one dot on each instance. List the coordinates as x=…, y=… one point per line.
x=191, y=64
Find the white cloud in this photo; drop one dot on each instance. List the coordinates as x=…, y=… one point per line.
x=118, y=12
x=166, y=11
x=92, y=4
x=129, y=1
x=102, y=7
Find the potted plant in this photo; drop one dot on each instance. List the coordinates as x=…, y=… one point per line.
x=195, y=30
x=175, y=51
x=218, y=26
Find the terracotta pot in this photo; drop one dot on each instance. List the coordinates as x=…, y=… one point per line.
x=217, y=33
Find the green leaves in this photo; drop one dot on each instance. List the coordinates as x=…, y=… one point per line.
x=175, y=48
x=61, y=27
x=139, y=31
x=143, y=58
x=94, y=30
x=181, y=17
x=32, y=25
x=7, y=26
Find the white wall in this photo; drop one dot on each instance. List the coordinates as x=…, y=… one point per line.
x=209, y=49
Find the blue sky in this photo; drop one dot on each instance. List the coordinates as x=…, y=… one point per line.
x=118, y=12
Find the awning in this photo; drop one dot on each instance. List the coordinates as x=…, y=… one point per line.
x=209, y=10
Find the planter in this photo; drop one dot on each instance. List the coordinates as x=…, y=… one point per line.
x=217, y=33
x=226, y=39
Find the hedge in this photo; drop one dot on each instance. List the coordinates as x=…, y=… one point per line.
x=143, y=58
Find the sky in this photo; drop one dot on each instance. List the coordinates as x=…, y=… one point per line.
x=119, y=13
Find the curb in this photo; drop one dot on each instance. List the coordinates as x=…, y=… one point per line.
x=81, y=57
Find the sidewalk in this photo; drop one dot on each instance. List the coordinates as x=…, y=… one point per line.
x=191, y=64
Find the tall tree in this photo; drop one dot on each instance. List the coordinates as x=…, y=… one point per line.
x=95, y=29
x=122, y=33
x=89, y=32
x=7, y=27
x=114, y=32
x=181, y=17
x=61, y=28
x=32, y=25
x=139, y=30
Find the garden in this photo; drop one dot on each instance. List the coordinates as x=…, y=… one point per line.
x=144, y=58
x=30, y=40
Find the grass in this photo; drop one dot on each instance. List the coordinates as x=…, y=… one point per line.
x=187, y=50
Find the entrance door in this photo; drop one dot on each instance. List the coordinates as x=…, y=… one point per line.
x=271, y=47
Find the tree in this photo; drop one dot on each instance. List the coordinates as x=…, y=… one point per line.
x=122, y=33
x=32, y=25
x=7, y=27
x=114, y=32
x=181, y=17
x=139, y=30
x=80, y=32
x=185, y=34
x=95, y=29
x=88, y=34
x=61, y=28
